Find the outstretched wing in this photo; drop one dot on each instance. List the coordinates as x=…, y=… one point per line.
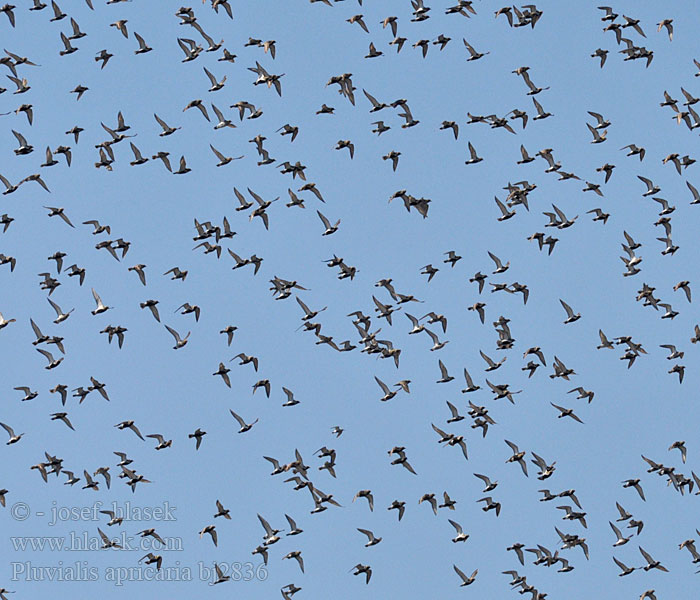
x=174, y=333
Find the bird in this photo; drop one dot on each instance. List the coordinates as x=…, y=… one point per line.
x=162, y=442
x=360, y=569
x=263, y=383
x=505, y=213
x=103, y=56
x=598, y=138
x=188, y=308
x=139, y=270
x=388, y=394
x=490, y=505
x=470, y=383
x=399, y=506
x=167, y=130
x=473, y=157
x=271, y=536
x=52, y=362
x=197, y=103
x=129, y=425
x=244, y=426
x=685, y=286
x=651, y=563
x=326, y=223
x=570, y=316
x=602, y=54
x=60, y=315
x=223, y=160
x=635, y=484
x=211, y=530
x=358, y=19
x=393, y=156
x=667, y=23
x=489, y=485
x=367, y=494
x=621, y=540
x=5, y=322
x=465, y=580
x=517, y=456
x=635, y=151
x=152, y=306
x=13, y=437
x=151, y=558
x=541, y=113
x=473, y=54
x=143, y=46
x=179, y=342
x=296, y=554
x=566, y=412
x=371, y=539
x=492, y=366
x=680, y=445
x=101, y=308
x=430, y=498
x=625, y=569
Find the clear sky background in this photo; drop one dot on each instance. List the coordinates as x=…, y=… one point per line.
x=636, y=411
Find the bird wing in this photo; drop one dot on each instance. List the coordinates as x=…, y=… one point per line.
x=241, y=422
x=453, y=409
x=174, y=333
x=513, y=447
x=496, y=260
x=371, y=98
x=47, y=354
x=257, y=198
x=211, y=77
x=36, y=329
x=439, y=431
x=648, y=182
x=382, y=385
x=325, y=221
x=140, y=40
x=646, y=555
x=218, y=154
x=20, y=138
x=456, y=525
x=488, y=360
x=162, y=123
x=56, y=307
x=433, y=337
x=539, y=461
x=303, y=306
x=96, y=296
x=617, y=532
x=265, y=525
x=567, y=308
x=501, y=206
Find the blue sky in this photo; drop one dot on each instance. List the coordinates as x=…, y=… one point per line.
x=641, y=410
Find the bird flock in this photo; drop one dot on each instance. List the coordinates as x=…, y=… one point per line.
x=247, y=356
